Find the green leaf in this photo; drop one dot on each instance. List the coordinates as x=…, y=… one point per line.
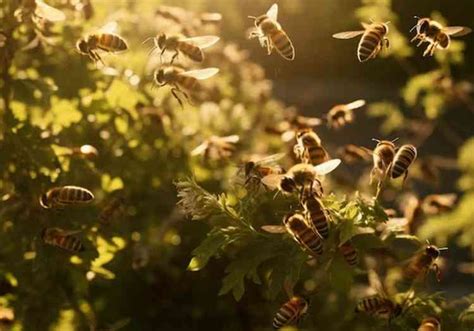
x=215, y=242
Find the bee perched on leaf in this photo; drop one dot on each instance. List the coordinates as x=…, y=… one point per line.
x=62, y=239
x=374, y=38
x=191, y=47
x=182, y=81
x=62, y=196
x=435, y=34
x=271, y=35
x=422, y=262
x=290, y=312
x=255, y=170
x=341, y=115
x=217, y=148
x=349, y=253
x=316, y=213
x=309, y=148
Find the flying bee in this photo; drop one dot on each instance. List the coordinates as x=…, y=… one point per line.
x=111, y=210
x=65, y=195
x=210, y=18
x=341, y=115
x=430, y=324
x=290, y=313
x=374, y=38
x=301, y=176
x=402, y=161
x=352, y=153
x=86, y=151
x=422, y=262
x=182, y=81
x=37, y=10
x=437, y=35
x=62, y=239
x=316, y=214
x=382, y=155
x=217, y=148
x=258, y=169
x=349, y=253
x=191, y=47
x=271, y=35
x=104, y=41
x=435, y=204
x=297, y=226
x=309, y=149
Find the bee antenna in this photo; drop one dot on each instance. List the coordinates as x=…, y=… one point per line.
x=416, y=17
x=376, y=140
x=147, y=40
x=394, y=140
x=252, y=17
x=443, y=249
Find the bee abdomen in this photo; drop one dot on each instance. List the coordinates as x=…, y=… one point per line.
x=318, y=216
x=349, y=253
x=284, y=316
x=403, y=159
x=112, y=43
x=312, y=240
x=317, y=155
x=73, y=195
x=369, y=44
x=192, y=51
x=283, y=44
x=187, y=82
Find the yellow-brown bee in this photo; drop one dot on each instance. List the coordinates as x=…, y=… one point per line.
x=352, y=153
x=374, y=38
x=430, y=324
x=191, y=47
x=62, y=239
x=217, y=148
x=341, y=115
x=309, y=149
x=104, y=41
x=422, y=262
x=111, y=210
x=435, y=204
x=182, y=81
x=437, y=35
x=297, y=226
x=290, y=313
x=383, y=155
x=316, y=214
x=271, y=35
x=379, y=306
x=402, y=160
x=349, y=252
x=64, y=196
x=256, y=170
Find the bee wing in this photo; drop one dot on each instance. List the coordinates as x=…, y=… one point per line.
x=211, y=17
x=327, y=167
x=201, y=73
x=200, y=149
x=348, y=34
x=288, y=135
x=201, y=42
x=376, y=283
x=230, y=139
x=365, y=25
x=272, y=13
x=273, y=228
x=356, y=104
x=271, y=158
x=110, y=27
x=49, y=13
x=272, y=181
x=457, y=31
x=311, y=121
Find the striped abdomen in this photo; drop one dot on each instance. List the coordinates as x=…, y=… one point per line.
x=290, y=312
x=317, y=215
x=56, y=237
x=376, y=306
x=418, y=266
x=371, y=42
x=68, y=195
x=111, y=42
x=283, y=44
x=192, y=51
x=317, y=154
x=349, y=253
x=303, y=234
x=403, y=159
x=186, y=82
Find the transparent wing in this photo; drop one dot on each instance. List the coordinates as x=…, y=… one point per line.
x=110, y=27
x=211, y=17
x=327, y=167
x=272, y=181
x=457, y=31
x=273, y=228
x=230, y=139
x=365, y=25
x=200, y=149
x=201, y=42
x=288, y=135
x=271, y=158
x=310, y=121
x=272, y=13
x=49, y=13
x=356, y=104
x=348, y=34
x=201, y=73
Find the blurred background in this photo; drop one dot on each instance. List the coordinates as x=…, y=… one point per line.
x=138, y=270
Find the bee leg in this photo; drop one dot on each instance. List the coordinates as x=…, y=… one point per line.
x=414, y=38
x=422, y=40
x=269, y=46
x=386, y=42
x=433, y=48
x=428, y=50
x=437, y=272
x=175, y=95
x=161, y=54
x=175, y=55
x=405, y=177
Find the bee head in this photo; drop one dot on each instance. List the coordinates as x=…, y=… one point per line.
x=161, y=40
x=82, y=46
x=422, y=25
x=287, y=184
x=432, y=251
x=160, y=76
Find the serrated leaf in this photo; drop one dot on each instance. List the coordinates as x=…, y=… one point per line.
x=215, y=241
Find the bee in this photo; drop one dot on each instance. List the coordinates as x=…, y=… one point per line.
x=349, y=253
x=85, y=8
x=87, y=151
x=352, y=153
x=65, y=195
x=435, y=204
x=263, y=167
x=316, y=214
x=382, y=155
x=308, y=147
x=191, y=47
x=181, y=80
x=210, y=18
x=217, y=148
x=290, y=313
x=402, y=161
x=430, y=324
x=341, y=115
x=62, y=239
x=301, y=175
x=372, y=41
x=297, y=226
x=434, y=33
x=111, y=210
x=422, y=262
x=38, y=10
x=7, y=318
x=175, y=14
x=103, y=40
x=271, y=35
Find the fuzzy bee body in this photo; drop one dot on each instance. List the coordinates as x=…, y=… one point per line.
x=107, y=42
x=290, y=312
x=422, y=262
x=303, y=234
x=309, y=148
x=383, y=155
x=341, y=115
x=191, y=47
x=378, y=306
x=430, y=324
x=62, y=239
x=317, y=215
x=111, y=210
x=65, y=195
x=349, y=253
x=263, y=167
x=405, y=156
